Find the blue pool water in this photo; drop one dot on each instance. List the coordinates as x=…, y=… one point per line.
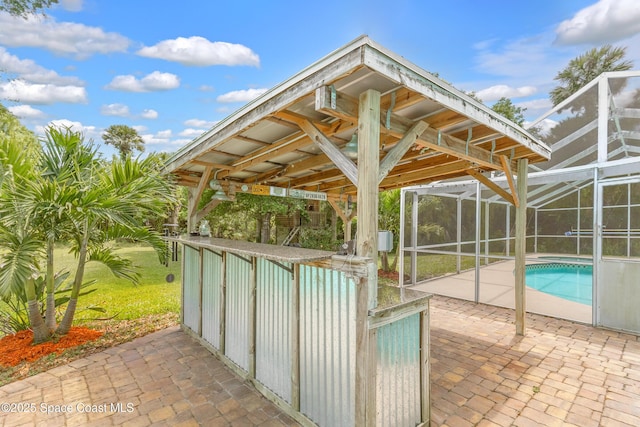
x=568, y=281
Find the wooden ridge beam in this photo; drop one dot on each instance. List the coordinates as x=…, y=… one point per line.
x=431, y=173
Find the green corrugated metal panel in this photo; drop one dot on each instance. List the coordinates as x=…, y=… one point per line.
x=191, y=289
x=327, y=346
x=273, y=327
x=398, y=400
x=211, y=292
x=237, y=316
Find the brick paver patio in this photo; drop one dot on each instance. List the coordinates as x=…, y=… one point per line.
x=165, y=378
x=560, y=374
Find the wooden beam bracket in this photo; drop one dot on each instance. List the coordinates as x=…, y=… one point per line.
x=342, y=162
x=511, y=198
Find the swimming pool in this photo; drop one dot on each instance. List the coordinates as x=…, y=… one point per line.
x=572, y=282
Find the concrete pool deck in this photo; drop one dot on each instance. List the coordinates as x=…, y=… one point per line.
x=497, y=287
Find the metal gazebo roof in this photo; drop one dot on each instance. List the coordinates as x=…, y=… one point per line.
x=291, y=136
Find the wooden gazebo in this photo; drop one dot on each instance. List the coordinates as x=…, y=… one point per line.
x=411, y=128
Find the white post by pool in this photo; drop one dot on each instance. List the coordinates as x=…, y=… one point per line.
x=521, y=246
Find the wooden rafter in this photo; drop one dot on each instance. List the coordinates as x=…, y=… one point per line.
x=345, y=108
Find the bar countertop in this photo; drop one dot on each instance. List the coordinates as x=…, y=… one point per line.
x=262, y=250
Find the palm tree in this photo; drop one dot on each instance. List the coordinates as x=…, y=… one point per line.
x=112, y=204
x=124, y=138
x=19, y=234
x=586, y=67
x=71, y=195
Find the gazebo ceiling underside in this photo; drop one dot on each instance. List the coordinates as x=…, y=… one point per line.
x=264, y=142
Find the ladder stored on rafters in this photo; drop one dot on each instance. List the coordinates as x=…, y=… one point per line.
x=291, y=235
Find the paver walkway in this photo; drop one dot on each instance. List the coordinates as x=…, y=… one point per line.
x=165, y=378
x=559, y=374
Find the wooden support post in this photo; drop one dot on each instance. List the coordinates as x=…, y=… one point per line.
x=368, y=165
x=194, y=197
x=346, y=215
x=521, y=246
x=367, y=245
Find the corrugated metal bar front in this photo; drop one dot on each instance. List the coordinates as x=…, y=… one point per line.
x=191, y=289
x=273, y=327
x=211, y=285
x=327, y=346
x=398, y=400
x=238, y=271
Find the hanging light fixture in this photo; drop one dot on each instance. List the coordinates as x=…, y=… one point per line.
x=219, y=194
x=214, y=184
x=351, y=149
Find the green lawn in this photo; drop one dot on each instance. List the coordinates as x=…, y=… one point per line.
x=121, y=298
x=435, y=265
x=153, y=295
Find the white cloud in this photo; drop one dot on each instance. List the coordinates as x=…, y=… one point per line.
x=198, y=51
x=71, y=5
x=155, y=81
x=544, y=126
x=543, y=105
x=149, y=114
x=89, y=132
x=62, y=38
x=198, y=123
x=240, y=95
x=161, y=137
x=206, y=88
x=517, y=58
x=496, y=92
x=28, y=70
x=603, y=22
x=191, y=133
x=17, y=90
x=180, y=142
x=118, y=110
x=26, y=112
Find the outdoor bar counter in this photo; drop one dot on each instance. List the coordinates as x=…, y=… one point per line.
x=296, y=323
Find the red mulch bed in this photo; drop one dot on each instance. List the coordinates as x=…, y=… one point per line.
x=389, y=275
x=18, y=347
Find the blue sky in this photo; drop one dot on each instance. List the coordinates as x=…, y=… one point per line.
x=172, y=70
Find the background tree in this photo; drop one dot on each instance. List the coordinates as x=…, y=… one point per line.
x=24, y=8
x=586, y=67
x=507, y=109
x=12, y=129
x=124, y=138
x=389, y=219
